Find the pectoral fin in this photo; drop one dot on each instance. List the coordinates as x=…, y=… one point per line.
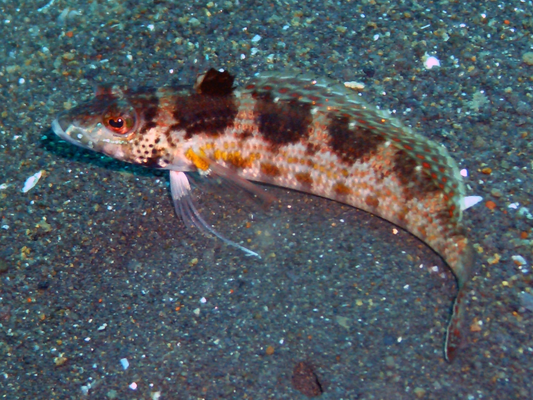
x=184, y=206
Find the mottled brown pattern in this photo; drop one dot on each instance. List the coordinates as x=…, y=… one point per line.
x=351, y=145
x=339, y=138
x=415, y=182
x=282, y=122
x=146, y=103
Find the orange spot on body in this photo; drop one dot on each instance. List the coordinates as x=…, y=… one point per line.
x=341, y=189
x=304, y=178
x=372, y=201
x=270, y=169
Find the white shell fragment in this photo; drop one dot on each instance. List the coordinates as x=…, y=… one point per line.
x=125, y=363
x=354, y=85
x=430, y=61
x=31, y=181
x=519, y=260
x=470, y=201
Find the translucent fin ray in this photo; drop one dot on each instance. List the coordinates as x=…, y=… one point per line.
x=184, y=207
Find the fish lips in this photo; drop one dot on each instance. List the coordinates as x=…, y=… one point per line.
x=63, y=127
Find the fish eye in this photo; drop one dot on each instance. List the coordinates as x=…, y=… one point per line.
x=120, y=121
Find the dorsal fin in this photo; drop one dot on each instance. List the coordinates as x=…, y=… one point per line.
x=215, y=83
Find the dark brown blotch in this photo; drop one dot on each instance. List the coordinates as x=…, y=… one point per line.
x=282, y=122
x=204, y=114
x=351, y=145
x=415, y=182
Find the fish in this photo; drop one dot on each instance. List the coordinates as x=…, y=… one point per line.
x=292, y=130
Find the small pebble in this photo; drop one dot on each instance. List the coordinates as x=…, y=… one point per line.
x=526, y=300
x=528, y=58
x=496, y=192
x=419, y=392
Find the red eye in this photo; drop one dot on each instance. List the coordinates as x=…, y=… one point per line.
x=120, y=121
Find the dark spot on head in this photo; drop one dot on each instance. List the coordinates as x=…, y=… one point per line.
x=282, y=122
x=151, y=162
x=146, y=102
x=351, y=145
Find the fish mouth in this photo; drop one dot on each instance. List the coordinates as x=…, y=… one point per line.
x=61, y=126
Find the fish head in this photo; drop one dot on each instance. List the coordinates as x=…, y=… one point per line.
x=105, y=124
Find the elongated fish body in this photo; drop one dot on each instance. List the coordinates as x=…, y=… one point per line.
x=293, y=131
